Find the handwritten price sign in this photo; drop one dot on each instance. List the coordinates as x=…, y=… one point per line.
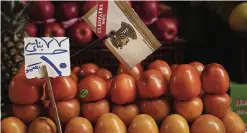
x=52, y=52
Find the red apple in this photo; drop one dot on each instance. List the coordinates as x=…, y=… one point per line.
x=81, y=33
x=93, y=110
x=184, y=83
x=87, y=6
x=126, y=112
x=53, y=30
x=87, y=69
x=161, y=66
x=152, y=84
x=216, y=105
x=67, y=11
x=146, y=10
x=123, y=89
x=42, y=10
x=165, y=28
x=31, y=29
x=215, y=79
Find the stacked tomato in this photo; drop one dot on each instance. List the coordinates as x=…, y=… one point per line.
x=167, y=99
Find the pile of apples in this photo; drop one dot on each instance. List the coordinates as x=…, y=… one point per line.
x=51, y=19
x=185, y=98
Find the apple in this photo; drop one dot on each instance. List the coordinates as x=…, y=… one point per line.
x=42, y=10
x=104, y=73
x=95, y=86
x=216, y=105
x=87, y=6
x=146, y=10
x=215, y=79
x=184, y=83
x=165, y=28
x=93, y=110
x=152, y=84
x=87, y=69
x=66, y=110
x=67, y=11
x=190, y=109
x=81, y=33
x=53, y=30
x=161, y=66
x=31, y=29
x=157, y=108
x=123, y=89
x=126, y=112
x=135, y=72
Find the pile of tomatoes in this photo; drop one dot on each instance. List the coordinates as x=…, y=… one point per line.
x=185, y=98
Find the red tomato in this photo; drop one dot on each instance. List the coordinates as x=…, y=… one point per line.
x=216, y=105
x=161, y=66
x=96, y=87
x=108, y=84
x=190, y=109
x=76, y=69
x=104, y=73
x=87, y=69
x=135, y=72
x=152, y=84
x=123, y=89
x=198, y=66
x=173, y=67
x=215, y=79
x=184, y=83
x=64, y=88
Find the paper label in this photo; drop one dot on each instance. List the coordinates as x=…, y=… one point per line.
x=132, y=41
x=52, y=52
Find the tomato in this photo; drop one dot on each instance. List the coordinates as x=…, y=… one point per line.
x=233, y=123
x=215, y=79
x=87, y=69
x=198, y=66
x=216, y=105
x=13, y=125
x=104, y=73
x=75, y=77
x=64, y=88
x=75, y=69
x=126, y=112
x=123, y=89
x=190, y=109
x=23, y=91
x=157, y=108
x=135, y=72
x=78, y=125
x=26, y=113
x=42, y=124
x=152, y=84
x=161, y=66
x=96, y=87
x=22, y=68
x=207, y=124
x=108, y=84
x=184, y=83
x=173, y=67
x=93, y=110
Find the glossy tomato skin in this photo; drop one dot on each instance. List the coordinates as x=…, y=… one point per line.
x=104, y=73
x=126, y=112
x=108, y=84
x=26, y=113
x=233, y=123
x=174, y=124
x=22, y=91
x=198, y=66
x=135, y=72
x=173, y=67
x=87, y=69
x=190, y=109
x=157, y=108
x=64, y=88
x=66, y=110
x=123, y=89
x=216, y=105
x=93, y=110
x=184, y=83
x=78, y=125
x=161, y=66
x=215, y=79
x=207, y=124
x=13, y=125
x=152, y=84
x=42, y=124
x=96, y=87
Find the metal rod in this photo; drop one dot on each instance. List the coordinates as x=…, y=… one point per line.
x=53, y=103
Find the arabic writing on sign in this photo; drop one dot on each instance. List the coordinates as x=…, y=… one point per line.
x=52, y=52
